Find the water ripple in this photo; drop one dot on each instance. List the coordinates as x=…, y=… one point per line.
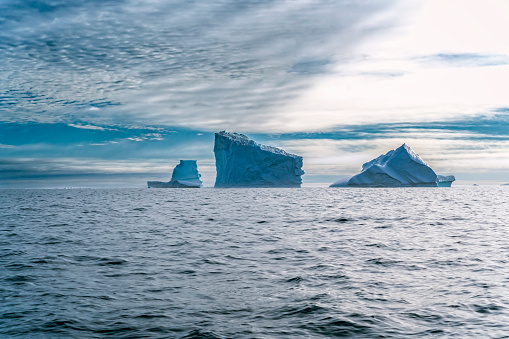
x=254, y=263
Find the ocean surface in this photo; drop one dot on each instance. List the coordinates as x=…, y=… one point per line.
x=255, y=263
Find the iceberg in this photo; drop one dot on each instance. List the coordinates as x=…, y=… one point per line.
x=401, y=167
x=241, y=162
x=185, y=175
x=445, y=180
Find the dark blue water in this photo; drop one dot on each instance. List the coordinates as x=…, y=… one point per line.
x=255, y=263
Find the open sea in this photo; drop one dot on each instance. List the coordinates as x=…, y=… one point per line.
x=255, y=263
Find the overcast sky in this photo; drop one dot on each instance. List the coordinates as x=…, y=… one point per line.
x=116, y=92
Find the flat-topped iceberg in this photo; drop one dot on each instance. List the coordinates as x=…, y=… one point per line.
x=185, y=175
x=401, y=167
x=241, y=162
x=445, y=180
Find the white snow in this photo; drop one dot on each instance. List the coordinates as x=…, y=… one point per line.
x=185, y=175
x=241, y=162
x=401, y=167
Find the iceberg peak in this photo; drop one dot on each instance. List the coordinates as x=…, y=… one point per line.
x=411, y=153
x=402, y=153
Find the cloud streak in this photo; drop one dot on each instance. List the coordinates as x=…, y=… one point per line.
x=465, y=59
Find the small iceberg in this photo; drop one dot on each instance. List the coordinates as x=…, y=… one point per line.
x=445, y=180
x=185, y=175
x=401, y=167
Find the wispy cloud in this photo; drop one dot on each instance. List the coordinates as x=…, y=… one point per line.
x=92, y=127
x=6, y=146
x=258, y=66
x=465, y=59
x=147, y=136
x=180, y=63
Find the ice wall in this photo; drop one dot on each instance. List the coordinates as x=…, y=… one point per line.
x=241, y=162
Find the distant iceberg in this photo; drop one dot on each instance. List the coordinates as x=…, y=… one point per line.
x=445, y=180
x=401, y=167
x=185, y=175
x=241, y=162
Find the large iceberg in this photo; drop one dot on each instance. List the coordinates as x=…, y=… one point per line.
x=185, y=175
x=401, y=167
x=241, y=162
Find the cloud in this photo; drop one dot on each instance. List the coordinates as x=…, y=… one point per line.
x=77, y=172
x=147, y=136
x=99, y=128
x=359, y=95
x=465, y=59
x=433, y=66
x=310, y=67
x=256, y=66
x=6, y=146
x=479, y=127
x=179, y=63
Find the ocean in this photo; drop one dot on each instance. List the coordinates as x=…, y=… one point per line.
x=255, y=263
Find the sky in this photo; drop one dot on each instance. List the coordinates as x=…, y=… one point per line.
x=112, y=93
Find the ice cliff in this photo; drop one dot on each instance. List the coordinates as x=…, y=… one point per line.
x=185, y=175
x=401, y=167
x=241, y=162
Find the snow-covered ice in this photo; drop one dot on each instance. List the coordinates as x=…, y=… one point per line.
x=401, y=167
x=185, y=175
x=241, y=162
